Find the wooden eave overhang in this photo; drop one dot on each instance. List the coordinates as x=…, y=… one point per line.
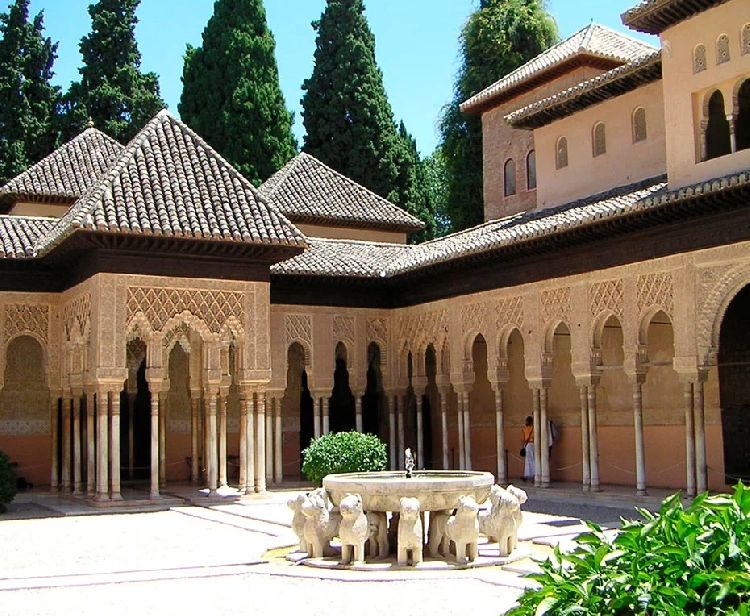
x=9, y=200
x=354, y=223
x=655, y=16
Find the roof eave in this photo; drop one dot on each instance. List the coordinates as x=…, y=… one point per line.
x=659, y=16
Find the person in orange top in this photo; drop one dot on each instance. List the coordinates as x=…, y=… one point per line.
x=528, y=445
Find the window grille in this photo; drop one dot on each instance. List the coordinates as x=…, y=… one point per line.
x=562, y=153
x=699, y=59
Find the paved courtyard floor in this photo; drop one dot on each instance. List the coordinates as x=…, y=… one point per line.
x=228, y=559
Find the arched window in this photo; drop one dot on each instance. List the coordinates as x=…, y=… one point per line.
x=722, y=49
x=598, y=139
x=640, y=129
x=699, y=59
x=531, y=170
x=561, y=153
x=510, y=177
x=717, y=128
x=745, y=39
x=742, y=122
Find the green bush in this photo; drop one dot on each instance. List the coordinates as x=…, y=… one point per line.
x=693, y=561
x=343, y=452
x=7, y=482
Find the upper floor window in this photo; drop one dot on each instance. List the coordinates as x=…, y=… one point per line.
x=699, y=59
x=742, y=121
x=510, y=178
x=722, y=49
x=599, y=139
x=717, y=141
x=745, y=39
x=531, y=170
x=561, y=153
x=640, y=129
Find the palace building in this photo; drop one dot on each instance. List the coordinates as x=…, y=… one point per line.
x=164, y=321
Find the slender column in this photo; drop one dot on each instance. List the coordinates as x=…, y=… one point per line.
x=163, y=439
x=195, y=402
x=269, y=443
x=544, y=437
x=444, y=426
x=326, y=423
x=207, y=452
x=77, y=449
x=260, y=470
x=537, y=437
x=461, y=440
x=212, y=445
x=467, y=432
x=102, y=445
x=689, y=439
x=317, y=402
x=90, y=445
x=732, y=132
x=502, y=473
x=278, y=473
x=131, y=434
x=392, y=430
x=223, y=399
x=585, y=450
x=401, y=446
x=701, y=469
x=640, y=452
x=243, y=445
x=53, y=409
x=250, y=442
x=115, y=446
x=420, y=437
x=66, y=447
x=593, y=441
x=154, y=443
x=358, y=411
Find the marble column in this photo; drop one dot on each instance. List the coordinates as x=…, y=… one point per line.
x=593, y=441
x=502, y=472
x=154, y=492
x=537, y=437
x=640, y=451
x=689, y=438
x=392, y=404
x=358, y=411
x=77, y=446
x=401, y=445
x=243, y=445
x=102, y=445
x=420, y=436
x=269, y=441
x=223, y=400
x=278, y=473
x=132, y=396
x=317, y=403
x=326, y=419
x=67, y=411
x=585, y=450
x=195, y=402
x=260, y=469
x=54, y=428
x=90, y=445
x=701, y=468
x=163, y=397
x=444, y=426
x=461, y=440
x=115, y=446
x=249, y=403
x=212, y=442
x=544, y=437
x=467, y=432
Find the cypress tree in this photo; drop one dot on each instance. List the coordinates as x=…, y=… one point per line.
x=231, y=93
x=113, y=91
x=498, y=37
x=28, y=102
x=347, y=116
x=411, y=191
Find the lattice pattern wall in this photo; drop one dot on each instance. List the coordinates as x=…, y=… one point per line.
x=27, y=319
x=607, y=296
x=656, y=290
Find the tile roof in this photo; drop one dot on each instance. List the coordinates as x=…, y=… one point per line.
x=308, y=191
x=19, y=235
x=655, y=16
x=170, y=182
x=594, y=41
x=616, y=82
x=65, y=174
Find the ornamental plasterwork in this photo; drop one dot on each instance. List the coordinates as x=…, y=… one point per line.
x=509, y=312
x=656, y=290
x=214, y=308
x=343, y=329
x=377, y=330
x=715, y=286
x=428, y=327
x=299, y=329
x=474, y=318
x=24, y=427
x=76, y=317
x=555, y=304
x=607, y=296
x=27, y=319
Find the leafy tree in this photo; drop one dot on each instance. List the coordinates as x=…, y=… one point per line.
x=231, y=93
x=436, y=187
x=113, y=92
x=498, y=37
x=28, y=102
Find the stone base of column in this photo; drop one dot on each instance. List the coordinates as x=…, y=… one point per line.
x=641, y=492
x=99, y=498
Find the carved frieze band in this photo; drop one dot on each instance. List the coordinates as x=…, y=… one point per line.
x=27, y=318
x=428, y=328
x=608, y=296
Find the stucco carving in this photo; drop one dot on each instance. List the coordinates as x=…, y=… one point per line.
x=555, y=304
x=656, y=290
x=24, y=427
x=717, y=286
x=474, y=318
x=343, y=329
x=509, y=312
x=607, y=296
x=377, y=330
x=419, y=330
x=76, y=317
x=27, y=319
x=299, y=329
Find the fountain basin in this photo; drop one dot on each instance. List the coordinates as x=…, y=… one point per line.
x=436, y=490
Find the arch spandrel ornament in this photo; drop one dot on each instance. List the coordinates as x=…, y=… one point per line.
x=76, y=316
x=299, y=330
x=555, y=304
x=343, y=328
x=656, y=291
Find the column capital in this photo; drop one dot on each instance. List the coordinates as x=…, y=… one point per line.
x=464, y=387
x=587, y=380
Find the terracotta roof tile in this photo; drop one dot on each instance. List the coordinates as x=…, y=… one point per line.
x=308, y=191
x=19, y=235
x=67, y=173
x=169, y=182
x=594, y=40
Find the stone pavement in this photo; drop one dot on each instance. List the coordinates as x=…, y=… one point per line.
x=58, y=558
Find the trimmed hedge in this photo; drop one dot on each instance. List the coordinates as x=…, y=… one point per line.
x=343, y=452
x=7, y=482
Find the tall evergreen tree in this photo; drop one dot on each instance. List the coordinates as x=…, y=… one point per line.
x=347, y=116
x=113, y=92
x=498, y=37
x=28, y=102
x=411, y=190
x=231, y=93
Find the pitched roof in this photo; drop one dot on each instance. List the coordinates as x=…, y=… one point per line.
x=655, y=16
x=66, y=174
x=19, y=235
x=169, y=182
x=616, y=82
x=593, y=41
x=308, y=191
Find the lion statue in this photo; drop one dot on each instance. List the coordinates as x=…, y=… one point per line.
x=298, y=521
x=410, y=535
x=354, y=529
x=377, y=537
x=463, y=529
x=500, y=523
x=321, y=523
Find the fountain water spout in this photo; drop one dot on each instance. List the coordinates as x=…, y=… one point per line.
x=408, y=462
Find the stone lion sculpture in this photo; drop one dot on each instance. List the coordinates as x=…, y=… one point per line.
x=410, y=535
x=298, y=521
x=521, y=497
x=321, y=523
x=438, y=542
x=500, y=523
x=354, y=529
x=377, y=536
x=463, y=529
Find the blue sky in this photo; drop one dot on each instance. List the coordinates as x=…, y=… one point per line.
x=416, y=45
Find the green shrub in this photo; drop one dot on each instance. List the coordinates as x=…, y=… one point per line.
x=7, y=482
x=693, y=561
x=343, y=452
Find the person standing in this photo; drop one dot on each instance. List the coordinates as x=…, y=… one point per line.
x=528, y=447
